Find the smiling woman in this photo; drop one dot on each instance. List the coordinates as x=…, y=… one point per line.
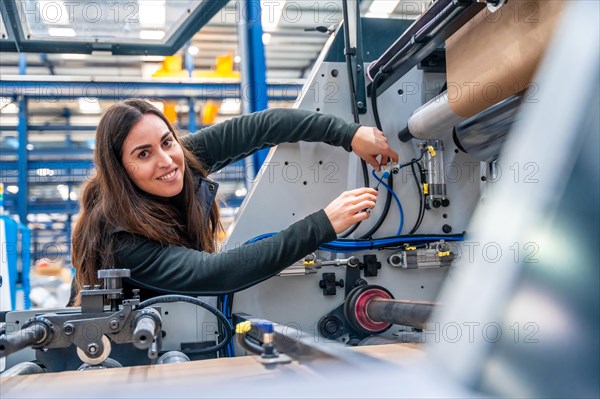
x=153, y=158
x=151, y=208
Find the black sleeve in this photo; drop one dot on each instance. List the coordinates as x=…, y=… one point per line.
x=175, y=269
x=219, y=145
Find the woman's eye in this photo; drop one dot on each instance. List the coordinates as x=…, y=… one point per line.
x=168, y=142
x=143, y=155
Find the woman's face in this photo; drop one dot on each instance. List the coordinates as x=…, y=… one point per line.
x=153, y=158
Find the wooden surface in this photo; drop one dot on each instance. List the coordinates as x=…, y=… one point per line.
x=184, y=379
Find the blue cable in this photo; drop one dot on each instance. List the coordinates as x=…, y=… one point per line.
x=228, y=309
x=346, y=245
x=391, y=190
x=223, y=309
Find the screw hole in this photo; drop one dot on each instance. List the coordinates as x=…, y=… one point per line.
x=483, y=178
x=456, y=150
x=166, y=312
x=320, y=162
x=445, y=216
x=318, y=109
x=400, y=91
x=286, y=163
x=422, y=287
x=335, y=73
x=305, y=182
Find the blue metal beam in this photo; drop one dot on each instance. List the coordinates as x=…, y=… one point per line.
x=254, y=75
x=22, y=162
x=58, y=152
x=57, y=89
x=50, y=128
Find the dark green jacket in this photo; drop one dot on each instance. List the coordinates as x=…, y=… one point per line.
x=158, y=269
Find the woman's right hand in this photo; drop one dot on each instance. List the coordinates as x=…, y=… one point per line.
x=347, y=209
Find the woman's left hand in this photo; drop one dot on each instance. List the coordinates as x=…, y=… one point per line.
x=369, y=143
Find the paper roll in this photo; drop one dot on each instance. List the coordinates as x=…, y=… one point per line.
x=495, y=55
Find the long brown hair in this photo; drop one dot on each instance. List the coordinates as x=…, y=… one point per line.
x=110, y=201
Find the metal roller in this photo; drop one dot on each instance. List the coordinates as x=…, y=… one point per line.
x=407, y=313
x=371, y=309
x=483, y=135
x=433, y=120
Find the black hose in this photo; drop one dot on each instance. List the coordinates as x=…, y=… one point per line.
x=222, y=352
x=352, y=100
x=246, y=342
x=202, y=304
x=386, y=209
x=390, y=182
x=421, y=200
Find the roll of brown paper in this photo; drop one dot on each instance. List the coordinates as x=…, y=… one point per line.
x=495, y=55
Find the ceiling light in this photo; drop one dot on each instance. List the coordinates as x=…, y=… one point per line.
x=89, y=106
x=237, y=59
x=230, y=106
x=73, y=56
x=266, y=38
x=152, y=13
x=193, y=50
x=43, y=172
x=8, y=106
x=63, y=191
x=158, y=104
x=12, y=189
x=153, y=58
x=61, y=32
x=383, y=6
x=152, y=34
x=241, y=192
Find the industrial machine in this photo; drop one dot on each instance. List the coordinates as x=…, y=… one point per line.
x=476, y=273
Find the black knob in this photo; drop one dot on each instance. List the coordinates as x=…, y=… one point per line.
x=445, y=202
x=331, y=327
x=447, y=228
x=359, y=282
x=436, y=203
